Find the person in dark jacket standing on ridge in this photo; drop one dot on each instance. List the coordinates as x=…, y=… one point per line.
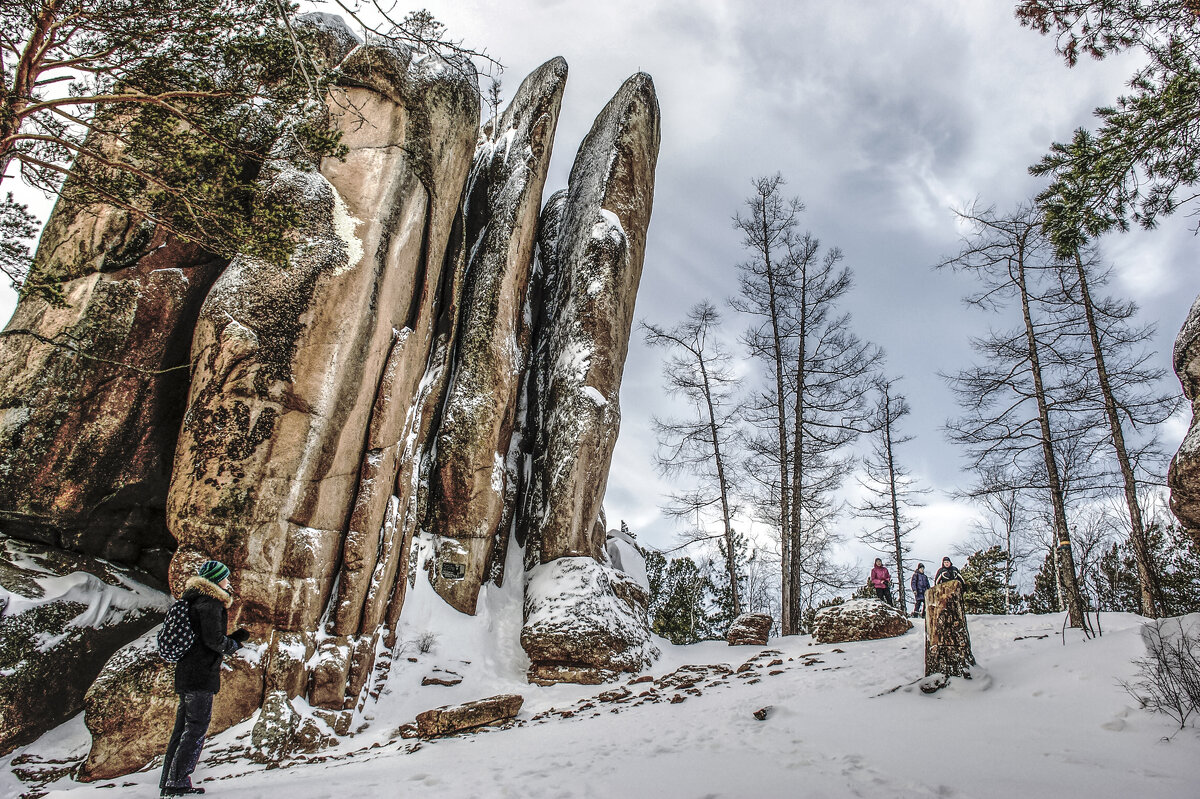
x=947, y=572
x=198, y=673
x=881, y=581
x=919, y=585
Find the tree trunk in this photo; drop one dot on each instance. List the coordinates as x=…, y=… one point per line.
x=730, y=550
x=1066, y=557
x=896, y=532
x=947, y=641
x=1149, y=593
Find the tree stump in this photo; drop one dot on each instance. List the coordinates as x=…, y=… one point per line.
x=947, y=642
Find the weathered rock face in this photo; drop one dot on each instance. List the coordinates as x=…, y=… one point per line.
x=584, y=622
x=591, y=248
x=61, y=616
x=749, y=629
x=130, y=708
x=1184, y=474
x=859, y=620
x=304, y=377
x=474, y=477
x=947, y=641
x=91, y=395
x=457, y=718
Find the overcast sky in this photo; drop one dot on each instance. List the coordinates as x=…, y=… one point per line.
x=882, y=117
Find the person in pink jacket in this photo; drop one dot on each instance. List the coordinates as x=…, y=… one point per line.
x=881, y=581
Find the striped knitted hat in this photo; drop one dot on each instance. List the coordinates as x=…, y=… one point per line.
x=214, y=571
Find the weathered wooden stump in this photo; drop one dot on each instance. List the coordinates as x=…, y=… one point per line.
x=947, y=641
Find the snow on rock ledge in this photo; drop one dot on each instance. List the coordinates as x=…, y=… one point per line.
x=61, y=616
x=584, y=622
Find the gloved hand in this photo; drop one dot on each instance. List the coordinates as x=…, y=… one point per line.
x=241, y=635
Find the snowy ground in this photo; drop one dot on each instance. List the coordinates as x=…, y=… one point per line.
x=1041, y=719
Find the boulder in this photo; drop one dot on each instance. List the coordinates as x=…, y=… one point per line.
x=475, y=474
x=457, y=718
x=750, y=629
x=858, y=620
x=130, y=708
x=61, y=616
x=591, y=246
x=584, y=622
x=1183, y=477
x=947, y=640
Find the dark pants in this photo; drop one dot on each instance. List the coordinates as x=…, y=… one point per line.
x=885, y=595
x=920, y=606
x=187, y=739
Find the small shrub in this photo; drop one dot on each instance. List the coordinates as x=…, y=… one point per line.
x=1169, y=676
x=425, y=642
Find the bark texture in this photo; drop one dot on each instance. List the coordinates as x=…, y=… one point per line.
x=947, y=640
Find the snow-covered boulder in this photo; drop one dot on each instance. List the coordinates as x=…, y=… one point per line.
x=858, y=620
x=61, y=616
x=624, y=556
x=584, y=622
x=750, y=629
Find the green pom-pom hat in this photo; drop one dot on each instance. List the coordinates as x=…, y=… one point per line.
x=214, y=571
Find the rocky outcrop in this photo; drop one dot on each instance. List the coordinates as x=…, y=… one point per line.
x=130, y=708
x=412, y=368
x=458, y=718
x=474, y=478
x=591, y=246
x=61, y=616
x=858, y=620
x=1183, y=477
x=749, y=629
x=947, y=640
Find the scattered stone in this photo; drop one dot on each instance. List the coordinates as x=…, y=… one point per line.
x=676, y=699
x=642, y=679
x=442, y=677
x=858, y=620
x=456, y=718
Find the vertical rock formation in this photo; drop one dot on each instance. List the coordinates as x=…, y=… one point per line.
x=592, y=245
x=1184, y=474
x=473, y=474
x=304, y=377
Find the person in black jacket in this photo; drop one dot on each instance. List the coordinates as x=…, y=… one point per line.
x=947, y=572
x=919, y=585
x=198, y=673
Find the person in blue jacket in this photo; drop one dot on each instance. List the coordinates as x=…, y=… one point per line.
x=919, y=585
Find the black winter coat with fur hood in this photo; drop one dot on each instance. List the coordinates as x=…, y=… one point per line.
x=208, y=611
